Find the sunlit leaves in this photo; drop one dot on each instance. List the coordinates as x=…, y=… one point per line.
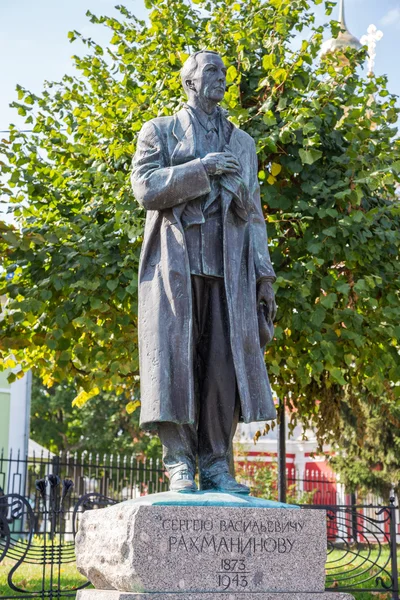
x=132, y=406
x=231, y=74
x=268, y=61
x=276, y=168
x=308, y=157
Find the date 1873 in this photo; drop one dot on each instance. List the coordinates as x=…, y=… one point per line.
x=232, y=574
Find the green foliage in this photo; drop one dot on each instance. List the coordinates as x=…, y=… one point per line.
x=102, y=426
x=369, y=449
x=329, y=164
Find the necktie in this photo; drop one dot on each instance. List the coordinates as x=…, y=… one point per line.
x=212, y=132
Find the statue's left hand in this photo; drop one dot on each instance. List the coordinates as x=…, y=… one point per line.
x=266, y=295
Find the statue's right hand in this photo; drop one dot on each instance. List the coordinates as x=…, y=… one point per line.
x=217, y=163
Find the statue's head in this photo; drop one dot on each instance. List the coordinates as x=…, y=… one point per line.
x=204, y=75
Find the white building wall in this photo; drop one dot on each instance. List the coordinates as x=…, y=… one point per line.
x=20, y=415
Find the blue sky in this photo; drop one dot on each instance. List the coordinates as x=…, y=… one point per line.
x=34, y=44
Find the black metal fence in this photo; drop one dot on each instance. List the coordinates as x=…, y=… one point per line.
x=119, y=477
x=362, y=549
x=43, y=497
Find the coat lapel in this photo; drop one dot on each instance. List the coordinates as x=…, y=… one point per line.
x=227, y=126
x=183, y=130
x=225, y=129
x=184, y=151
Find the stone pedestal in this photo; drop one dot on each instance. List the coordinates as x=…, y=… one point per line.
x=113, y=595
x=195, y=546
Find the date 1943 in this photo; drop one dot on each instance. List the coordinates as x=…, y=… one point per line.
x=232, y=574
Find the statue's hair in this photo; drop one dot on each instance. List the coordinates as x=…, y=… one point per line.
x=190, y=66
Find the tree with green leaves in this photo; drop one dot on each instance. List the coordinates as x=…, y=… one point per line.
x=367, y=456
x=329, y=163
x=102, y=426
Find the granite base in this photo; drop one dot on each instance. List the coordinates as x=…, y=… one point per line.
x=208, y=543
x=115, y=595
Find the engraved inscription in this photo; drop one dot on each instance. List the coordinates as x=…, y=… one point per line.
x=233, y=525
x=229, y=545
x=241, y=526
x=236, y=580
x=234, y=550
x=187, y=524
x=232, y=574
x=255, y=536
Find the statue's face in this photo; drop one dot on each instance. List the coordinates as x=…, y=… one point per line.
x=210, y=77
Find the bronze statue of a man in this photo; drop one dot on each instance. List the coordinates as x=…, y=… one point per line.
x=206, y=303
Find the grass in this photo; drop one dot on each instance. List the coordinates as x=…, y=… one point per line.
x=370, y=595
x=356, y=569
x=29, y=576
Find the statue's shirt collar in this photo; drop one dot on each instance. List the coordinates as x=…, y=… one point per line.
x=208, y=122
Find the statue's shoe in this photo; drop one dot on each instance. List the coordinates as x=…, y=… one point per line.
x=223, y=482
x=182, y=481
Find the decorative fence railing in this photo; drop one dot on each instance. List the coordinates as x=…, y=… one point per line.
x=124, y=477
x=41, y=503
x=119, y=477
x=362, y=549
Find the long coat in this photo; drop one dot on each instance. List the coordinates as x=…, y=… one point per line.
x=166, y=176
